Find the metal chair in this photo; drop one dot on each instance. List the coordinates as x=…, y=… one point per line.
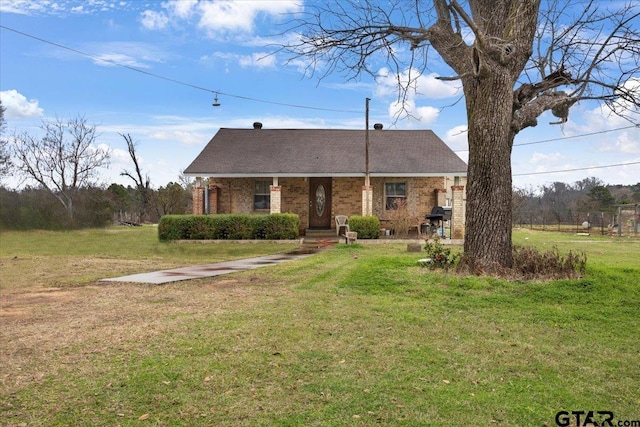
x=342, y=221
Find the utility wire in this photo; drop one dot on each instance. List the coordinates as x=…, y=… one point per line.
x=576, y=169
x=138, y=70
x=566, y=137
x=576, y=136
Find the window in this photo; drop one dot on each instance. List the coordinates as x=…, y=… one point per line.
x=262, y=195
x=395, y=192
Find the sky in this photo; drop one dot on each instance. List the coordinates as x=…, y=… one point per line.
x=152, y=69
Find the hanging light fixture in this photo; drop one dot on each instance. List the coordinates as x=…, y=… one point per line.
x=216, y=103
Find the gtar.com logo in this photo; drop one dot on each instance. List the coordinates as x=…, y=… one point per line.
x=584, y=418
x=591, y=419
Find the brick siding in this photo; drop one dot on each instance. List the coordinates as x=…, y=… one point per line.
x=236, y=196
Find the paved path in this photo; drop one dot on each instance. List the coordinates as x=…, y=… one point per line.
x=207, y=270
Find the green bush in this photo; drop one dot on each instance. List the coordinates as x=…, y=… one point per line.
x=367, y=227
x=439, y=255
x=228, y=226
x=282, y=226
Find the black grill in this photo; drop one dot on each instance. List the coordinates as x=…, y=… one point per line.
x=439, y=213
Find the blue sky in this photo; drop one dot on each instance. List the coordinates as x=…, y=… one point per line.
x=186, y=51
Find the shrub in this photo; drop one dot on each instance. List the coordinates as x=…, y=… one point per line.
x=228, y=226
x=439, y=254
x=282, y=226
x=529, y=263
x=367, y=227
x=401, y=218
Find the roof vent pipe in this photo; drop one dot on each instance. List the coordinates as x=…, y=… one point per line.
x=257, y=125
x=377, y=126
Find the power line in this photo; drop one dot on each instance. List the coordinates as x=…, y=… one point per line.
x=172, y=80
x=566, y=137
x=570, y=137
x=575, y=136
x=576, y=169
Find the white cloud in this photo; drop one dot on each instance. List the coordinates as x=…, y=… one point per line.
x=130, y=54
x=456, y=137
x=258, y=60
x=153, y=20
x=239, y=16
x=420, y=85
x=182, y=136
x=219, y=16
x=182, y=9
x=21, y=7
x=114, y=59
x=416, y=116
x=624, y=143
x=18, y=106
x=32, y=7
x=546, y=158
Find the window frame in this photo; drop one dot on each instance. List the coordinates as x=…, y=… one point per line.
x=396, y=185
x=264, y=195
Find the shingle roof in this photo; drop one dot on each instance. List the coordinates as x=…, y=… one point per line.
x=325, y=152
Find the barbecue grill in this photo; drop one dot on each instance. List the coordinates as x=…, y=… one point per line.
x=437, y=217
x=439, y=213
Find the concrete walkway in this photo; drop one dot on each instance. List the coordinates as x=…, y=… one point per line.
x=208, y=270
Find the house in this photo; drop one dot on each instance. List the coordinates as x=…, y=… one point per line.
x=320, y=173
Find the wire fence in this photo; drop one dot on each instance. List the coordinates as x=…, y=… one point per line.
x=621, y=221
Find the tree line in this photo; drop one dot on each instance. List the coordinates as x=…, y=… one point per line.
x=61, y=168
x=562, y=203
x=37, y=208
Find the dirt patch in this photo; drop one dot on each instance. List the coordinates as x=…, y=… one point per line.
x=46, y=327
x=22, y=304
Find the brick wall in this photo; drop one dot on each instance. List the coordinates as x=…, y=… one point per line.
x=236, y=196
x=295, y=198
x=346, y=197
x=421, y=195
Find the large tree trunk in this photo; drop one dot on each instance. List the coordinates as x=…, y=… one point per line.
x=487, y=247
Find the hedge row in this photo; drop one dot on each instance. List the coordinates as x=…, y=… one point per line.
x=367, y=227
x=229, y=227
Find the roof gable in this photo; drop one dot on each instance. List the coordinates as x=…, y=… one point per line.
x=325, y=152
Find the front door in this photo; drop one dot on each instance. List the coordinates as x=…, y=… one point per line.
x=320, y=202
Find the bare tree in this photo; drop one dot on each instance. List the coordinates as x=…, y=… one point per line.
x=515, y=60
x=63, y=161
x=5, y=156
x=143, y=185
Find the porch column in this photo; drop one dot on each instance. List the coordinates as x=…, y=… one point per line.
x=367, y=200
x=276, y=197
x=197, y=197
x=457, y=212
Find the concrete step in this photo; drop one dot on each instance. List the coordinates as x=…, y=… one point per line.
x=320, y=238
x=315, y=233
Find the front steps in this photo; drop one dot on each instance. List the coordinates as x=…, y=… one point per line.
x=321, y=238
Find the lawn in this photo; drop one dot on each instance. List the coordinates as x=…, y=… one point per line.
x=356, y=335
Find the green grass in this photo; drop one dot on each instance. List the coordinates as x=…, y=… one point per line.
x=126, y=243
x=355, y=335
x=50, y=258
